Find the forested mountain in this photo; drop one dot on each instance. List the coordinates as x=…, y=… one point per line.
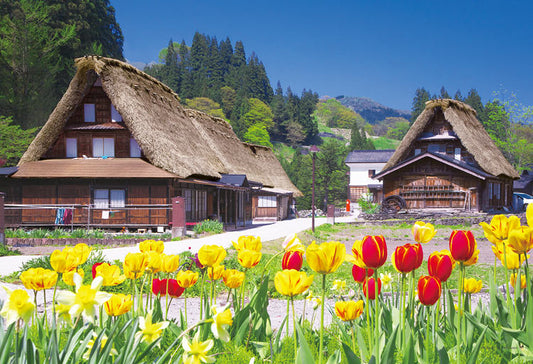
x=370, y=110
x=217, y=77
x=39, y=41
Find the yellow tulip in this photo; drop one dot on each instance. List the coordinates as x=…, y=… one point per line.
x=118, y=304
x=38, y=278
x=327, y=257
x=211, y=255
x=521, y=239
x=187, y=278
x=150, y=332
x=249, y=258
x=474, y=258
x=423, y=232
x=529, y=215
x=64, y=260
x=514, y=261
x=248, y=242
x=17, y=306
x=293, y=243
x=215, y=272
x=357, y=257
x=135, y=264
x=169, y=263
x=68, y=277
x=499, y=228
x=523, y=283
x=349, y=310
x=154, y=262
x=472, y=285
x=290, y=282
x=151, y=246
x=233, y=278
x=111, y=274
x=82, y=251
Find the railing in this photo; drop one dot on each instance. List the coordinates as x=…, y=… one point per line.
x=87, y=216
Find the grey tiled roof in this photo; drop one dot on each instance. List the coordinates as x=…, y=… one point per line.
x=369, y=156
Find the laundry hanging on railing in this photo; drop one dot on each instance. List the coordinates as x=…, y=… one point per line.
x=63, y=216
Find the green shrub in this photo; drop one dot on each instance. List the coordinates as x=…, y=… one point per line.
x=6, y=250
x=209, y=226
x=366, y=204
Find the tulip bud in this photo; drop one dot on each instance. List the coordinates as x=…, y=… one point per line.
x=462, y=245
x=369, y=288
x=360, y=274
x=408, y=257
x=374, y=251
x=292, y=260
x=440, y=265
x=429, y=290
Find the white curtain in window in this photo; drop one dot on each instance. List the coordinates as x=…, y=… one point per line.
x=135, y=150
x=101, y=199
x=118, y=198
x=71, y=147
x=115, y=116
x=103, y=147
x=109, y=147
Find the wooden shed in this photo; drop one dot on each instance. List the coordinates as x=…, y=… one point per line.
x=448, y=160
x=119, y=145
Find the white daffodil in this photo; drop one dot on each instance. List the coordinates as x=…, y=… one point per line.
x=85, y=299
x=386, y=279
x=17, y=306
x=150, y=332
x=222, y=320
x=195, y=352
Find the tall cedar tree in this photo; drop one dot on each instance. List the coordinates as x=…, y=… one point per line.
x=419, y=103
x=473, y=99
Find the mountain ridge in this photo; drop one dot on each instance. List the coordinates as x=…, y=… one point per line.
x=371, y=110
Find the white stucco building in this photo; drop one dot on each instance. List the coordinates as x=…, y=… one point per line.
x=364, y=164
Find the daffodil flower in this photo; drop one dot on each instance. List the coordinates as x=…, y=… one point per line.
x=222, y=320
x=85, y=299
x=17, y=306
x=386, y=279
x=150, y=332
x=195, y=352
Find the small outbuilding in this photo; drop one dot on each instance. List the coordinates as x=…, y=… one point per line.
x=448, y=160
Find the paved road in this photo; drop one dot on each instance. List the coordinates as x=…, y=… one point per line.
x=267, y=232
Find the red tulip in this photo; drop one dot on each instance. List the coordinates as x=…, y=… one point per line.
x=369, y=288
x=440, y=265
x=94, y=268
x=159, y=287
x=374, y=251
x=429, y=289
x=359, y=274
x=292, y=260
x=408, y=257
x=462, y=245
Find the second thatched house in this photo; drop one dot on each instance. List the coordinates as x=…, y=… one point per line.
x=119, y=146
x=448, y=160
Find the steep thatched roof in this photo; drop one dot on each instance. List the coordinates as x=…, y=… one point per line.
x=187, y=143
x=468, y=129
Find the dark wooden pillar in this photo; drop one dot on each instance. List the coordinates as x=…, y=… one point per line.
x=178, y=217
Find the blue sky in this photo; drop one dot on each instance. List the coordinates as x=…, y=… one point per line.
x=384, y=50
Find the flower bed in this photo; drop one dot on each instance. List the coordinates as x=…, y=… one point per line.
x=118, y=312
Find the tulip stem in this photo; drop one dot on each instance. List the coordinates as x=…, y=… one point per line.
x=268, y=263
x=320, y=353
x=294, y=326
x=243, y=290
x=376, y=321
x=287, y=323
x=428, y=312
x=202, y=296
x=402, y=307
x=460, y=313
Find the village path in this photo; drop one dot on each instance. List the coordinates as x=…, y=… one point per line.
x=267, y=232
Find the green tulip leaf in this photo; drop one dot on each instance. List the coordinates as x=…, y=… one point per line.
x=350, y=356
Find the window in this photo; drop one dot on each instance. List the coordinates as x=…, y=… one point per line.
x=266, y=201
x=89, y=112
x=457, y=155
x=106, y=198
x=135, y=150
x=71, y=145
x=371, y=173
x=417, y=151
x=115, y=116
x=103, y=147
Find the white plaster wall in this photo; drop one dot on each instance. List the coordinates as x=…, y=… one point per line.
x=359, y=173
